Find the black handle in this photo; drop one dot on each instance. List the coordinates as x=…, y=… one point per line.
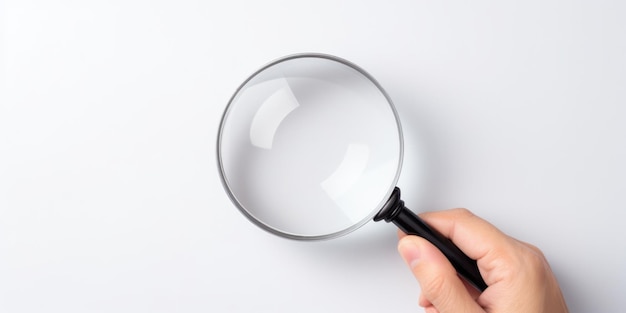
x=394, y=211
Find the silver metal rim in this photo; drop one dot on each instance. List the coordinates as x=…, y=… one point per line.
x=269, y=228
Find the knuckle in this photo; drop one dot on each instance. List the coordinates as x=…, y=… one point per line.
x=535, y=261
x=535, y=250
x=463, y=212
x=521, y=263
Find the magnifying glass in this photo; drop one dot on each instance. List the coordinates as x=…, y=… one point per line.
x=310, y=147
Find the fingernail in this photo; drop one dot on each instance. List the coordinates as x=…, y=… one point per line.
x=409, y=251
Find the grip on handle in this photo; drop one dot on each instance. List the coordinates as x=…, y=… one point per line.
x=395, y=212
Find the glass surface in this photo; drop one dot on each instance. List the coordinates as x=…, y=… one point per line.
x=310, y=147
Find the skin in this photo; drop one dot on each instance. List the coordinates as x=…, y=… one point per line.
x=517, y=273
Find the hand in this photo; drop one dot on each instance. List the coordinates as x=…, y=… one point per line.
x=517, y=274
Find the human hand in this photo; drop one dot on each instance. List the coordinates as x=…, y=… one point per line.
x=517, y=274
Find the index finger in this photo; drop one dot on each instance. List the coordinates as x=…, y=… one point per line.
x=476, y=237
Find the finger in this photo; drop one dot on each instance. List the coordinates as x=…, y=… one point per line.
x=438, y=279
x=474, y=293
x=478, y=239
x=473, y=235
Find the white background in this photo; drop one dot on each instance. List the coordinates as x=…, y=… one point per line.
x=110, y=199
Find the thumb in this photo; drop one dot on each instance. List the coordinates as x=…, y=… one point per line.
x=441, y=287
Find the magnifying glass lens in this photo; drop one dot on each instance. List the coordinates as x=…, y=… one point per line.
x=310, y=147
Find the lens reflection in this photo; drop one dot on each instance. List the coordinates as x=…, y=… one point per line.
x=310, y=147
